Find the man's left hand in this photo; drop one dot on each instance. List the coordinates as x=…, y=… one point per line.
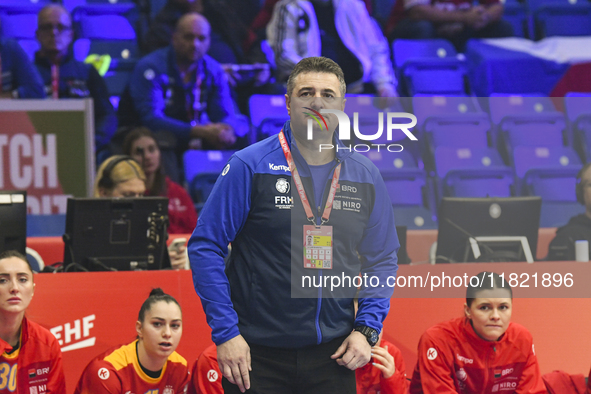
x=355, y=351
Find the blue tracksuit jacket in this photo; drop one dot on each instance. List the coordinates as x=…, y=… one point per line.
x=260, y=293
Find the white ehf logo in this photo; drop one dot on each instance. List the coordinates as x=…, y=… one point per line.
x=282, y=185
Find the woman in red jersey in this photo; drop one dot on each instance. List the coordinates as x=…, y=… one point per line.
x=30, y=356
x=482, y=352
x=147, y=365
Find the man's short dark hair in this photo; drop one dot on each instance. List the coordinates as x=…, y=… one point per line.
x=316, y=65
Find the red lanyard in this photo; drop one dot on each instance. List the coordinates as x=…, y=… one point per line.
x=55, y=81
x=298, y=181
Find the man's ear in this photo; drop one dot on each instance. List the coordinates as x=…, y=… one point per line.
x=288, y=104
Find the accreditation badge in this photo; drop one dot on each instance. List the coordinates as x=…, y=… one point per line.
x=318, y=247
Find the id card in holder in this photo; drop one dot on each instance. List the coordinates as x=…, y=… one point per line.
x=318, y=247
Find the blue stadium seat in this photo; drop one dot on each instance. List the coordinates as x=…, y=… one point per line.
x=578, y=113
x=561, y=18
x=472, y=172
x=202, y=169
x=515, y=12
x=406, y=186
x=429, y=67
x=268, y=114
x=450, y=121
x=404, y=180
x=548, y=172
x=526, y=121
x=19, y=22
x=119, y=41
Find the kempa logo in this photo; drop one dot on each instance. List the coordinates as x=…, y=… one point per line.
x=345, y=129
x=279, y=167
x=464, y=359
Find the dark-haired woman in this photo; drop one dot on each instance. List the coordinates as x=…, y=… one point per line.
x=30, y=355
x=141, y=144
x=482, y=352
x=147, y=365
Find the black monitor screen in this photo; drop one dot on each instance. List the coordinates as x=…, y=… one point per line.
x=462, y=218
x=116, y=234
x=13, y=221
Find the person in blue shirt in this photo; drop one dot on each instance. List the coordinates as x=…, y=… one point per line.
x=182, y=90
x=73, y=79
x=18, y=76
x=275, y=331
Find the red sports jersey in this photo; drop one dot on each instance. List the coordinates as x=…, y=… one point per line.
x=36, y=367
x=207, y=378
x=452, y=358
x=370, y=380
x=117, y=371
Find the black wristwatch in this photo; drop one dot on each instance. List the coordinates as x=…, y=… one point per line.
x=370, y=334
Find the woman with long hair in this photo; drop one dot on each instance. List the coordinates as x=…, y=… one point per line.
x=141, y=144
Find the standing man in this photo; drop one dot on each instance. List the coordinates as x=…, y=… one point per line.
x=182, y=90
x=66, y=77
x=275, y=331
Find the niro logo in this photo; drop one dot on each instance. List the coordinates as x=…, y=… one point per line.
x=76, y=336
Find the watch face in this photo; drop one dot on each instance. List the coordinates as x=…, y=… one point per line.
x=373, y=338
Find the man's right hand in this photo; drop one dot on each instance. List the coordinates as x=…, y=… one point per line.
x=234, y=362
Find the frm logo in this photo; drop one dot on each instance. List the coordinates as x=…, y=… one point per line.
x=77, y=334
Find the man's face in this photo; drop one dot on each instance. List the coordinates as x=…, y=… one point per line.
x=314, y=91
x=191, y=40
x=54, y=31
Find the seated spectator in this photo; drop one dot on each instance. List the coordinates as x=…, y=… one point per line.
x=66, y=77
x=150, y=363
x=455, y=20
x=339, y=30
x=578, y=228
x=182, y=90
x=18, y=76
x=141, y=144
x=385, y=373
x=121, y=176
x=229, y=26
x=206, y=376
x=24, y=344
x=467, y=354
